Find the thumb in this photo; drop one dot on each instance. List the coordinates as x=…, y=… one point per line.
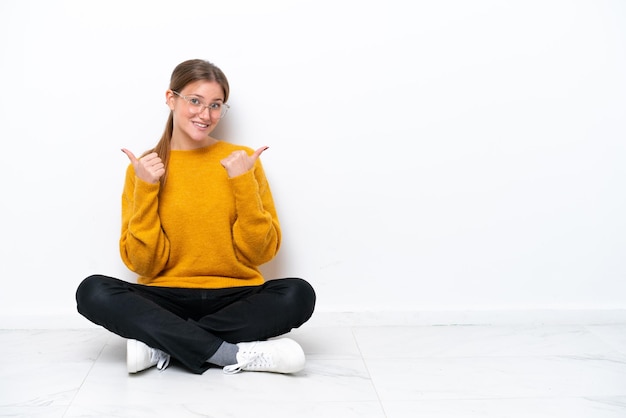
x=258, y=152
x=130, y=156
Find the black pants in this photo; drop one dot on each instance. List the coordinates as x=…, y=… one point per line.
x=191, y=324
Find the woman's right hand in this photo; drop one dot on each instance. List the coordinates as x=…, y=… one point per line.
x=149, y=168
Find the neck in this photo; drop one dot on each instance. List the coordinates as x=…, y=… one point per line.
x=179, y=145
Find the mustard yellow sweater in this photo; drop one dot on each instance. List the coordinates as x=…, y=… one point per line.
x=201, y=229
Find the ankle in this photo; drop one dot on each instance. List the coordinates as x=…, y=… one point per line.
x=226, y=354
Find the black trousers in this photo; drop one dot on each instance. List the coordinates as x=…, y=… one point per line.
x=191, y=324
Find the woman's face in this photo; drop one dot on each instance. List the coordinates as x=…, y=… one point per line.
x=194, y=114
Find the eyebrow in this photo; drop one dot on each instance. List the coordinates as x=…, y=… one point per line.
x=202, y=97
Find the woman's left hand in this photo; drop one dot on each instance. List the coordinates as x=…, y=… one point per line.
x=240, y=162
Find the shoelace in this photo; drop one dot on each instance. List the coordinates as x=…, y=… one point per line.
x=162, y=359
x=252, y=360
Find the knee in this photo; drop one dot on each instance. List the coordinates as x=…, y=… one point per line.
x=301, y=296
x=91, y=293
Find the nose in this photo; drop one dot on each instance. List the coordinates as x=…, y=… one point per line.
x=205, y=113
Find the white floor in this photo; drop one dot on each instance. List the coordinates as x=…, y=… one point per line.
x=352, y=371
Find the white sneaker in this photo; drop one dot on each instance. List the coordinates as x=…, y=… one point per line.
x=278, y=356
x=140, y=357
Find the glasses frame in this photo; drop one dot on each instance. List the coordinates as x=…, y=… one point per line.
x=201, y=105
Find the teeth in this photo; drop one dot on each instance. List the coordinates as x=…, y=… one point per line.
x=201, y=125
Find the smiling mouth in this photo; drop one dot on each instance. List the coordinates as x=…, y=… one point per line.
x=201, y=125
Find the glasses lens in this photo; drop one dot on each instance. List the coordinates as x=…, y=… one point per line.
x=223, y=110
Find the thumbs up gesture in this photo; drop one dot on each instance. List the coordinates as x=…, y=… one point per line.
x=240, y=162
x=149, y=168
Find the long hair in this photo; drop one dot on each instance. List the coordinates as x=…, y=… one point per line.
x=186, y=72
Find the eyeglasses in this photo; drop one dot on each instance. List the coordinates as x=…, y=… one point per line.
x=217, y=110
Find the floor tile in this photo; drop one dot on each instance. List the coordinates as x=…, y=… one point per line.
x=352, y=371
x=327, y=342
x=509, y=408
x=469, y=341
x=41, y=385
x=34, y=346
x=614, y=335
x=33, y=412
x=496, y=377
x=243, y=408
x=325, y=380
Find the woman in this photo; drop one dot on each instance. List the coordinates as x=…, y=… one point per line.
x=198, y=219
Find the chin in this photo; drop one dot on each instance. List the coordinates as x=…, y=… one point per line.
x=200, y=138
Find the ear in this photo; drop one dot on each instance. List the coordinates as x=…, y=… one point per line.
x=169, y=99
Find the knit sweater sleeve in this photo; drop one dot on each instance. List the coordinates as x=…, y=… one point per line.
x=256, y=231
x=144, y=247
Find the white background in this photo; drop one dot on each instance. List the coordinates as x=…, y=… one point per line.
x=424, y=155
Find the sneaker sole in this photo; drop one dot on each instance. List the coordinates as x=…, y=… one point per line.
x=131, y=347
